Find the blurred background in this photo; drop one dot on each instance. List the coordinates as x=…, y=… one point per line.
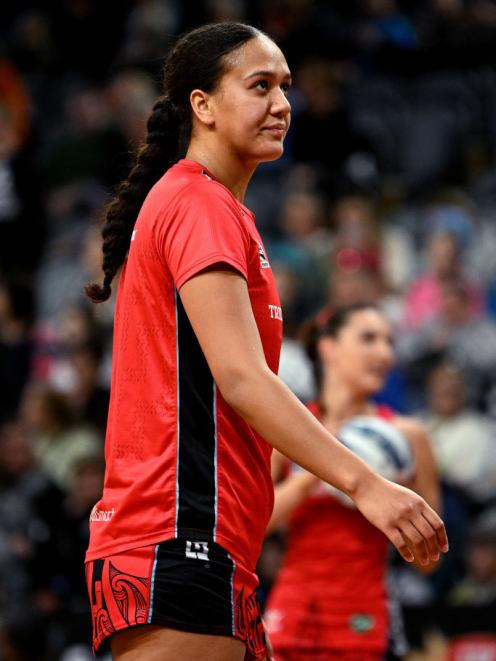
x=386, y=191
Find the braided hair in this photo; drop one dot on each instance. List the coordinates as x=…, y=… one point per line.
x=197, y=61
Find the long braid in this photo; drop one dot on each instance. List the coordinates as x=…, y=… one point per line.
x=197, y=61
x=152, y=160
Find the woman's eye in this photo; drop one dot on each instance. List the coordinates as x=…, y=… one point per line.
x=285, y=88
x=262, y=84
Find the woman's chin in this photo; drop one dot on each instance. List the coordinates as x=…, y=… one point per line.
x=372, y=386
x=272, y=154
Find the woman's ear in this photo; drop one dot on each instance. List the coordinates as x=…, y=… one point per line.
x=326, y=347
x=201, y=105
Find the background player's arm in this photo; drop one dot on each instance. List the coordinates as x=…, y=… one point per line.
x=425, y=479
x=219, y=309
x=289, y=493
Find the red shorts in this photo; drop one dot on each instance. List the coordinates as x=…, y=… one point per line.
x=182, y=584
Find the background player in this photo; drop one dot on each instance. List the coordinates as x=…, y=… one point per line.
x=196, y=403
x=330, y=598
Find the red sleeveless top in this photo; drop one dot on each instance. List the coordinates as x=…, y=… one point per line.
x=331, y=590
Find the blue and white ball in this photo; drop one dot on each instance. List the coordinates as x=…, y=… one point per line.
x=381, y=445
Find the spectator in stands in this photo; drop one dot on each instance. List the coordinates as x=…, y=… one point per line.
x=303, y=221
x=64, y=552
x=130, y=95
x=88, y=398
x=16, y=317
x=21, y=208
x=304, y=247
x=478, y=588
x=362, y=239
x=29, y=510
x=463, y=440
x=444, y=265
x=456, y=333
x=295, y=368
x=23, y=636
x=353, y=285
x=58, y=443
x=325, y=114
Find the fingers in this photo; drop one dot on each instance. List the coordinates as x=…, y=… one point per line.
x=421, y=544
x=399, y=542
x=437, y=525
x=420, y=534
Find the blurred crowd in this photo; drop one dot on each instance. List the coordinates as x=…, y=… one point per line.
x=386, y=193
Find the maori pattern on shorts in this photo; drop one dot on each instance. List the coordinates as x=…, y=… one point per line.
x=118, y=599
x=130, y=594
x=249, y=625
x=102, y=623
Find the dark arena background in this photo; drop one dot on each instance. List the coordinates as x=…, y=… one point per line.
x=386, y=192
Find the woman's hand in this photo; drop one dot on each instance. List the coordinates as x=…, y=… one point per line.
x=404, y=517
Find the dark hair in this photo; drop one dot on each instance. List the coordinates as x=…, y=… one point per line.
x=328, y=324
x=197, y=61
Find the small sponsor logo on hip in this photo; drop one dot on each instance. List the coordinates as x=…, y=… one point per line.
x=101, y=515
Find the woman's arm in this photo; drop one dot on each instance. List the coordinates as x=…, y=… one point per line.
x=219, y=309
x=425, y=480
x=279, y=466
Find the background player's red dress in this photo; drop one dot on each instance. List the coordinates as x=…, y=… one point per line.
x=330, y=598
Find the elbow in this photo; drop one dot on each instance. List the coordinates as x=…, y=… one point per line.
x=238, y=385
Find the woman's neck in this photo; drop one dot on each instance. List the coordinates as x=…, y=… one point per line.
x=234, y=174
x=340, y=403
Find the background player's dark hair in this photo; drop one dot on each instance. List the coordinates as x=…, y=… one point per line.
x=197, y=61
x=328, y=325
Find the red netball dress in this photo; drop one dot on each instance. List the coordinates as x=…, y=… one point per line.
x=181, y=463
x=330, y=598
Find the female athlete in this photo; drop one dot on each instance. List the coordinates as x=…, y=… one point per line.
x=196, y=405
x=330, y=599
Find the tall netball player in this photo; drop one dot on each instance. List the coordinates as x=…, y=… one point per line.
x=330, y=601
x=196, y=405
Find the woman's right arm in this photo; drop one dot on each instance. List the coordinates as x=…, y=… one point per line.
x=219, y=309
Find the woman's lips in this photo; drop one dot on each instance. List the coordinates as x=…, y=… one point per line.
x=276, y=129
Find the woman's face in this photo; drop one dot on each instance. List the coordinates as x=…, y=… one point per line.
x=446, y=391
x=443, y=255
x=362, y=354
x=250, y=110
